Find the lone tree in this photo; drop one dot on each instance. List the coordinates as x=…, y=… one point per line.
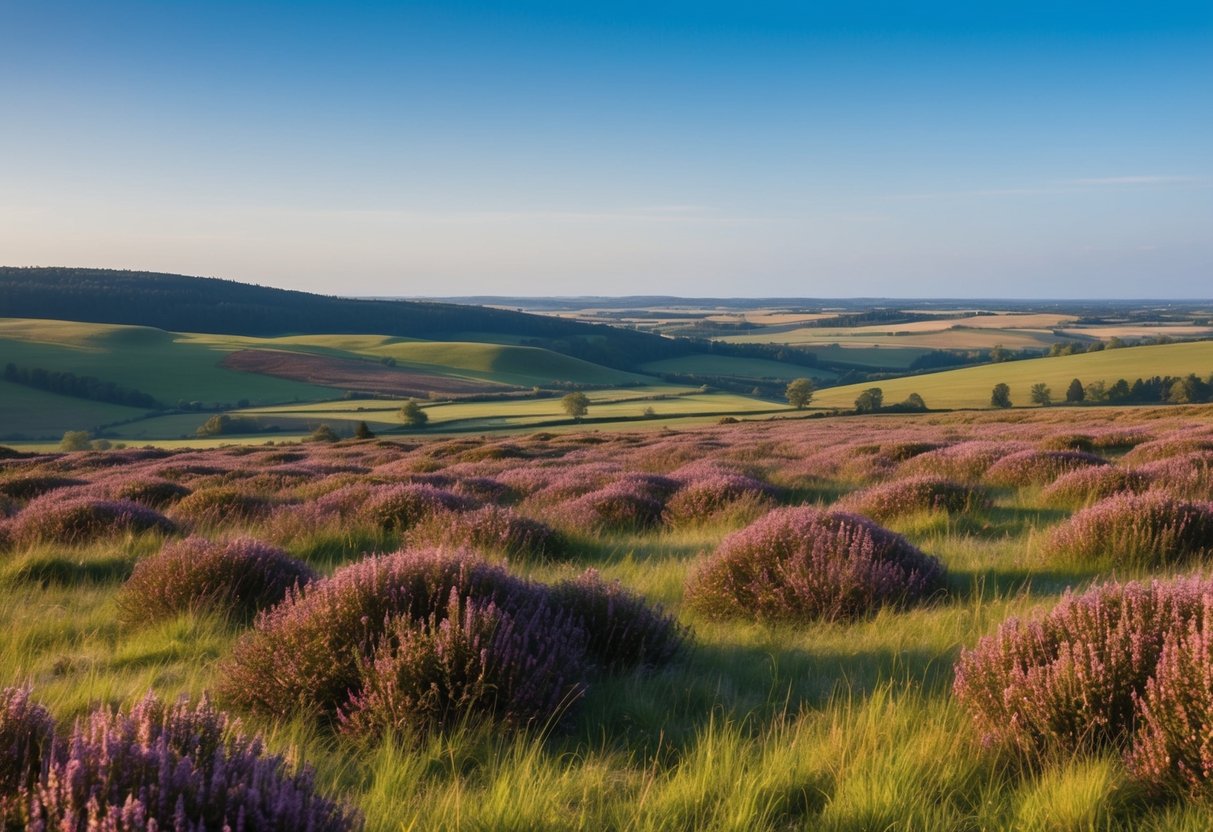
x=323, y=433
x=1001, y=395
x=576, y=404
x=1075, y=392
x=914, y=402
x=413, y=416
x=362, y=431
x=76, y=440
x=870, y=400
x=1042, y=395
x=799, y=393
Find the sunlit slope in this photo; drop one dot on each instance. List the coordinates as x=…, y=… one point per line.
x=971, y=386
x=727, y=366
x=27, y=413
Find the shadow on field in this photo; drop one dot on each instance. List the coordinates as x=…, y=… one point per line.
x=757, y=685
x=63, y=571
x=989, y=584
x=1009, y=521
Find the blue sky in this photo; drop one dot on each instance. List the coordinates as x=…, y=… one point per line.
x=828, y=149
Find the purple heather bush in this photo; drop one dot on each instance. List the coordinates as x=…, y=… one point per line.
x=720, y=497
x=911, y=496
x=29, y=486
x=1038, y=467
x=399, y=507
x=1069, y=680
x=50, y=519
x=620, y=506
x=469, y=660
x=27, y=735
x=1172, y=749
x=220, y=505
x=238, y=577
x=803, y=564
x=1167, y=447
x=1151, y=529
x=156, y=492
x=307, y=652
x=489, y=529
x=1188, y=475
x=1088, y=485
x=1068, y=442
x=624, y=630
x=182, y=767
x=964, y=461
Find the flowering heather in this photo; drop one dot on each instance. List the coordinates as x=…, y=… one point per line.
x=964, y=461
x=1068, y=442
x=802, y=564
x=1069, y=680
x=1169, y=446
x=1038, y=467
x=399, y=507
x=1188, y=475
x=620, y=506
x=27, y=734
x=719, y=497
x=239, y=577
x=50, y=519
x=483, y=489
x=492, y=529
x=34, y=485
x=471, y=659
x=306, y=653
x=222, y=505
x=625, y=631
x=1087, y=485
x=911, y=496
x=150, y=491
x=1151, y=529
x=177, y=767
x=1173, y=747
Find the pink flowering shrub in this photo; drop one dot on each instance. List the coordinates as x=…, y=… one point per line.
x=399, y=507
x=29, y=486
x=307, y=653
x=802, y=564
x=50, y=519
x=1150, y=529
x=1172, y=750
x=1038, y=467
x=150, y=491
x=624, y=631
x=964, y=461
x=27, y=734
x=469, y=659
x=911, y=496
x=1187, y=475
x=719, y=497
x=1167, y=447
x=1069, y=680
x=1068, y=442
x=489, y=529
x=239, y=577
x=220, y=506
x=1088, y=485
x=617, y=507
x=178, y=767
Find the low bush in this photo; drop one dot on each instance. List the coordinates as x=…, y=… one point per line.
x=1038, y=467
x=177, y=767
x=624, y=630
x=1151, y=529
x=1069, y=680
x=220, y=505
x=50, y=519
x=719, y=497
x=802, y=564
x=911, y=496
x=400, y=507
x=29, y=486
x=1088, y=485
x=150, y=491
x=1188, y=475
x=616, y=507
x=27, y=735
x=237, y=577
x=490, y=529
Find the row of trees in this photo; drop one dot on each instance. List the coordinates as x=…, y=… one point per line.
x=1189, y=389
x=80, y=387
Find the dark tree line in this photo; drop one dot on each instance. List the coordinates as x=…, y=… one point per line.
x=80, y=387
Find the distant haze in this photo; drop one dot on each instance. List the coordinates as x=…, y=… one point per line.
x=540, y=148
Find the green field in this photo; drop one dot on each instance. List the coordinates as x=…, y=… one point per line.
x=971, y=386
x=736, y=368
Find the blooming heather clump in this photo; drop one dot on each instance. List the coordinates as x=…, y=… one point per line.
x=1168, y=447
x=964, y=461
x=1149, y=529
x=1173, y=747
x=719, y=497
x=27, y=734
x=150, y=491
x=50, y=519
x=1088, y=485
x=913, y=495
x=1038, y=467
x=617, y=507
x=222, y=505
x=307, y=652
x=1069, y=680
x=802, y=564
x=1189, y=475
x=239, y=577
x=625, y=631
x=1068, y=442
x=178, y=767
x=491, y=529
x=399, y=507
x=470, y=659
x=33, y=485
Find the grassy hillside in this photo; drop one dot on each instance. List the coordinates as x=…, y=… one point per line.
x=970, y=386
x=26, y=413
x=733, y=367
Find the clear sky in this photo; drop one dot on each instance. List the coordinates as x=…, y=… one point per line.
x=1029, y=149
